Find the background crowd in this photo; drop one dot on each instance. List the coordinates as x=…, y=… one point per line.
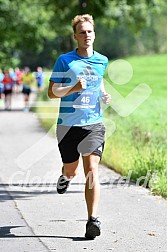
x=15, y=81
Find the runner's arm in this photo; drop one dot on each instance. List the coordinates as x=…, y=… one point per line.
x=106, y=97
x=56, y=90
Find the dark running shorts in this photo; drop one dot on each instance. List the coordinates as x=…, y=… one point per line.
x=26, y=90
x=7, y=92
x=84, y=140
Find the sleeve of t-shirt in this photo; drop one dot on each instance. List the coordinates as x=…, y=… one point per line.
x=58, y=71
x=105, y=63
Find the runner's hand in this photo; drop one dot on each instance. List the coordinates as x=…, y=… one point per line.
x=81, y=84
x=106, y=98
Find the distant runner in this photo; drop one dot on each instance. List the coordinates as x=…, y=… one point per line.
x=40, y=78
x=8, y=87
x=27, y=80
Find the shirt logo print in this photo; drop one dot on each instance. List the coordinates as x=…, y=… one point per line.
x=88, y=74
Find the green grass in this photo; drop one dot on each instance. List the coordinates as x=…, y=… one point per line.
x=47, y=109
x=139, y=144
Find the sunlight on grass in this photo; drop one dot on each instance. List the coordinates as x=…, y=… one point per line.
x=140, y=142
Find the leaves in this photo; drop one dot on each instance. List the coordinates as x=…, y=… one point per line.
x=31, y=25
x=24, y=24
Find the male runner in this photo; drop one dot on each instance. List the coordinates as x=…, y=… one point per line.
x=77, y=79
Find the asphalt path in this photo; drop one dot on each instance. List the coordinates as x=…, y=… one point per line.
x=33, y=217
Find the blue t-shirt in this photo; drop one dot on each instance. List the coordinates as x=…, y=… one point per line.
x=40, y=78
x=83, y=107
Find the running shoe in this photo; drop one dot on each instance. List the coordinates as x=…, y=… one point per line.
x=62, y=184
x=92, y=228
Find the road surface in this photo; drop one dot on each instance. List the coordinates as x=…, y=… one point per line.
x=33, y=217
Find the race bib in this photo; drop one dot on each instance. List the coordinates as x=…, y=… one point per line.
x=8, y=86
x=85, y=99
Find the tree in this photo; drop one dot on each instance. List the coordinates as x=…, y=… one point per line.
x=24, y=25
x=40, y=27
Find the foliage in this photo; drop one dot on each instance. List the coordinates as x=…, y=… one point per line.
x=36, y=32
x=24, y=25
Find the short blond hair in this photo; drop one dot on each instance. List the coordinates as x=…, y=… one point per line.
x=81, y=18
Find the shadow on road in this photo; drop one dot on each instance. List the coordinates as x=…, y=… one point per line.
x=26, y=191
x=5, y=232
x=10, y=194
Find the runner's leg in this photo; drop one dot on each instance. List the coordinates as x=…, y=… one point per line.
x=92, y=187
x=70, y=170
